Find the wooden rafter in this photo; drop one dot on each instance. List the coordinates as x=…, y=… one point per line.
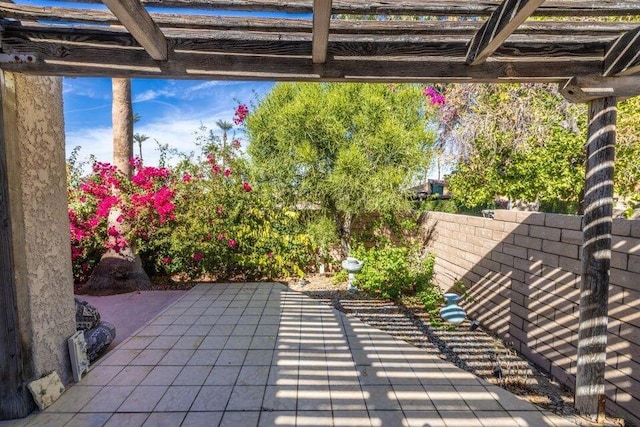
x=500, y=25
x=96, y=61
x=623, y=55
x=137, y=21
x=407, y=7
x=48, y=42
x=338, y=26
x=321, y=22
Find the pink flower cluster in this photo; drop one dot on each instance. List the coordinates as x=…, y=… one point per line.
x=146, y=177
x=152, y=203
x=435, y=97
x=155, y=202
x=242, y=111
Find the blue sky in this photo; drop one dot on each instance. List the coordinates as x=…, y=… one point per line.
x=171, y=111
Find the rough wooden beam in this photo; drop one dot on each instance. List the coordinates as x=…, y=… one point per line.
x=321, y=22
x=96, y=61
x=623, y=55
x=587, y=88
x=500, y=25
x=47, y=41
x=15, y=399
x=596, y=258
x=407, y=7
x=338, y=26
x=137, y=21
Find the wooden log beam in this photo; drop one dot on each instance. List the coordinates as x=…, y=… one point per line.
x=321, y=22
x=56, y=42
x=596, y=258
x=15, y=399
x=587, y=88
x=338, y=26
x=623, y=55
x=500, y=25
x=94, y=61
x=137, y=21
x=406, y=7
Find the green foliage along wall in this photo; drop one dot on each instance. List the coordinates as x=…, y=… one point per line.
x=516, y=141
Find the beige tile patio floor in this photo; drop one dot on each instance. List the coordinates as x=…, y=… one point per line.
x=258, y=354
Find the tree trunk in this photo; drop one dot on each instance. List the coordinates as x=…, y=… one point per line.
x=119, y=272
x=122, y=123
x=596, y=258
x=224, y=149
x=345, y=234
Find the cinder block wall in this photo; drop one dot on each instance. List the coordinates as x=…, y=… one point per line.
x=523, y=274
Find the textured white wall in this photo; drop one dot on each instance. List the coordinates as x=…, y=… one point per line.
x=34, y=132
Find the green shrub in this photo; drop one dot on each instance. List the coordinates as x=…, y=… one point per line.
x=392, y=272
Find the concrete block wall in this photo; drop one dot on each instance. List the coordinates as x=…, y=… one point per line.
x=522, y=270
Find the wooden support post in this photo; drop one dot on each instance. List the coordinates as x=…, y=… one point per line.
x=15, y=399
x=596, y=257
x=320, y=37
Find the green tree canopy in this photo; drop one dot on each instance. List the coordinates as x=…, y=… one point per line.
x=347, y=148
x=516, y=141
x=526, y=142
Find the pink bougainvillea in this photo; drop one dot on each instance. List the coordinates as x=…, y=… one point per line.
x=242, y=111
x=246, y=187
x=142, y=202
x=435, y=97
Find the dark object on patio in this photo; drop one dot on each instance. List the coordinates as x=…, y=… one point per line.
x=497, y=372
x=98, y=334
x=474, y=325
x=115, y=274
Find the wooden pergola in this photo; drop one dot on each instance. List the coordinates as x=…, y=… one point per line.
x=593, y=60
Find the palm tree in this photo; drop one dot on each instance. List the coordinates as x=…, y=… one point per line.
x=140, y=138
x=119, y=271
x=122, y=123
x=225, y=126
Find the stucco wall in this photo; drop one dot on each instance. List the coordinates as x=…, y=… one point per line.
x=523, y=273
x=34, y=132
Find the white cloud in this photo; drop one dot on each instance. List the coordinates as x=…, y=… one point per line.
x=183, y=90
x=97, y=141
x=98, y=107
x=179, y=133
x=151, y=94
